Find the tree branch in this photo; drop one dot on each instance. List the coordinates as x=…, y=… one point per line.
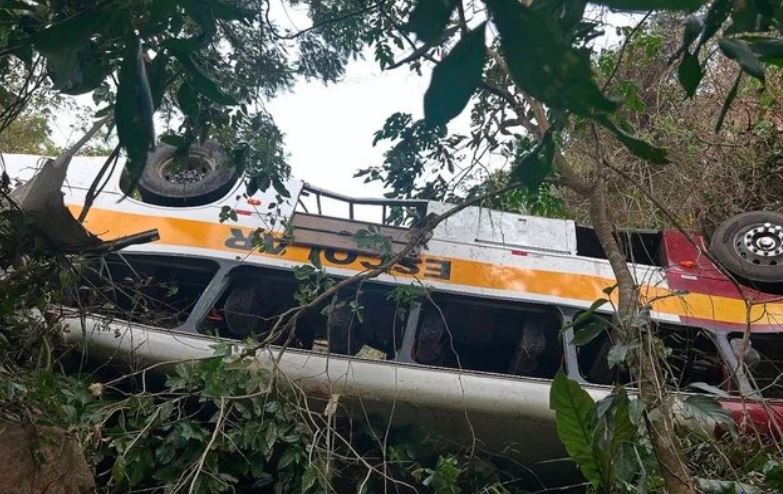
x=626, y=42
x=423, y=49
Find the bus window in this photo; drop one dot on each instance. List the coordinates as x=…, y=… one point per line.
x=154, y=290
x=692, y=358
x=490, y=338
x=255, y=298
x=764, y=358
x=593, y=358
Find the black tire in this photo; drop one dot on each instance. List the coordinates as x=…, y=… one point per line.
x=750, y=246
x=208, y=177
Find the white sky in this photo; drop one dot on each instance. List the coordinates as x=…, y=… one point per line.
x=329, y=129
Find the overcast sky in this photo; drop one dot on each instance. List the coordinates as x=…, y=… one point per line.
x=329, y=129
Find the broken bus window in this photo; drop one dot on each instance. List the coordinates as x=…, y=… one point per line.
x=692, y=358
x=153, y=290
x=489, y=337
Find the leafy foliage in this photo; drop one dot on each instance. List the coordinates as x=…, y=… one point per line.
x=32, y=279
x=455, y=78
x=429, y=19
x=542, y=61
x=418, y=146
x=258, y=439
x=575, y=418
x=208, y=61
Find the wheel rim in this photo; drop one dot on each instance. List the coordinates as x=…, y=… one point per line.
x=196, y=167
x=760, y=244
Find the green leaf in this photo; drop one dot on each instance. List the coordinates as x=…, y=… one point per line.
x=626, y=465
x=290, y=456
x=158, y=74
x=263, y=479
x=76, y=71
x=740, y=52
x=429, y=18
x=173, y=140
x=252, y=187
x=613, y=430
x=133, y=110
x=455, y=78
x=69, y=34
x=635, y=145
x=586, y=316
x=225, y=10
x=630, y=93
x=535, y=166
x=724, y=110
x=706, y=409
x=749, y=16
x=773, y=471
x=182, y=47
x=575, y=421
x=118, y=471
x=620, y=415
x=642, y=318
x=569, y=13
x=187, y=100
x=203, y=84
x=707, y=388
x=588, y=333
x=693, y=27
x=199, y=11
x=542, y=61
x=716, y=15
x=769, y=51
x=617, y=355
x=309, y=478
x=689, y=73
x=635, y=5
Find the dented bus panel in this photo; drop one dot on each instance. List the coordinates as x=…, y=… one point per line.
x=484, y=339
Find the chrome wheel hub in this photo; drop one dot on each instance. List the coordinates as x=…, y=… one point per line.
x=760, y=244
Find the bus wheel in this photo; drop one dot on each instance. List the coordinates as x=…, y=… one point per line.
x=203, y=176
x=750, y=245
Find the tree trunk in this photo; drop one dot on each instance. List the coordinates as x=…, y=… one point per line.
x=644, y=362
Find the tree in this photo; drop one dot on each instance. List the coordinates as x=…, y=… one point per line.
x=28, y=134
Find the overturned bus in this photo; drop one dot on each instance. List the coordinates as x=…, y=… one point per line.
x=470, y=350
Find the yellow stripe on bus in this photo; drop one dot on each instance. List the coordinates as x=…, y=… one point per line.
x=207, y=235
